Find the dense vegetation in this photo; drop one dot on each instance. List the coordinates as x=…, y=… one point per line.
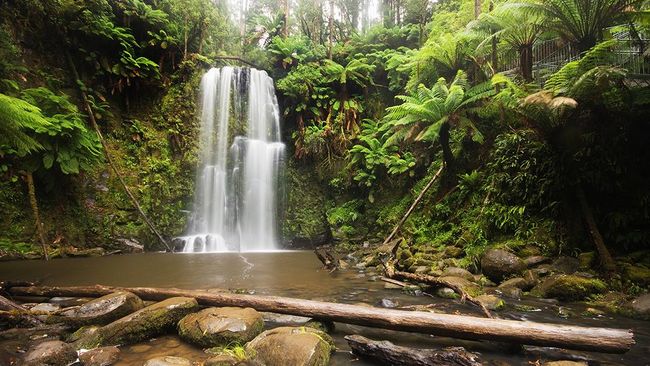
x=541, y=154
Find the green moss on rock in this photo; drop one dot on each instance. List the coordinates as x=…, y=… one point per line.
x=568, y=287
x=221, y=326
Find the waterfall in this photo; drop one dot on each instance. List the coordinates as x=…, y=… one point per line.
x=236, y=201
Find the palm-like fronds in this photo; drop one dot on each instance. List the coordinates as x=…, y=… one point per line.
x=580, y=21
x=576, y=77
x=421, y=115
x=18, y=118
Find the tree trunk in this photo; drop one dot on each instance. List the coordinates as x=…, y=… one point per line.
x=447, y=154
x=447, y=325
x=605, y=258
x=477, y=8
x=526, y=62
x=330, y=33
x=413, y=205
x=185, y=40
x=387, y=353
x=93, y=122
x=31, y=190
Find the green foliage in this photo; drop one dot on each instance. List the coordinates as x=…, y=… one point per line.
x=67, y=143
x=371, y=154
x=581, y=21
x=423, y=115
x=18, y=121
x=345, y=214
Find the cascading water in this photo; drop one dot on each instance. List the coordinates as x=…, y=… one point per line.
x=236, y=203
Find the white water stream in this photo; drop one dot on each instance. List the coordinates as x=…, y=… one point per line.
x=236, y=202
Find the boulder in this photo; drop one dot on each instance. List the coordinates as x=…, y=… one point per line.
x=220, y=326
x=453, y=252
x=517, y=282
x=103, y=356
x=326, y=326
x=168, y=361
x=568, y=287
x=511, y=292
x=532, y=279
x=566, y=265
x=458, y=272
x=221, y=360
x=637, y=274
x=291, y=346
x=586, y=260
x=498, y=264
x=69, y=301
x=422, y=270
x=535, y=260
x=470, y=288
x=388, y=303
x=641, y=307
x=102, y=310
x=446, y=293
x=50, y=353
x=145, y=323
x=491, y=302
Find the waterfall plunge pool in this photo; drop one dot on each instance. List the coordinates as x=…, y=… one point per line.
x=299, y=274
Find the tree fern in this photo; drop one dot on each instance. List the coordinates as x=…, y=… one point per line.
x=18, y=121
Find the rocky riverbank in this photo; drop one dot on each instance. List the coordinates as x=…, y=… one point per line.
x=93, y=333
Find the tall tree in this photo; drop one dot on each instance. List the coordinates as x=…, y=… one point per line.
x=429, y=114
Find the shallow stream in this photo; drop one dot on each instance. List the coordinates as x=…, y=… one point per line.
x=299, y=274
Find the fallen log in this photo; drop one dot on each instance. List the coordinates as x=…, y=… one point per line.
x=457, y=326
x=389, y=354
x=10, y=309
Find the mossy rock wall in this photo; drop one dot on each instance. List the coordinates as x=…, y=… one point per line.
x=304, y=223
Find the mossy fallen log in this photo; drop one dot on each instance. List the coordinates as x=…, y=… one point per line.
x=457, y=326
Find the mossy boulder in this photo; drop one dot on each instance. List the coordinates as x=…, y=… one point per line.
x=586, y=260
x=220, y=326
x=291, y=346
x=100, y=311
x=221, y=360
x=491, y=302
x=145, y=323
x=470, y=288
x=50, y=353
x=458, y=272
x=498, y=264
x=566, y=265
x=568, y=287
x=637, y=274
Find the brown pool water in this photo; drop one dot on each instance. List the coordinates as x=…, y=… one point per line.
x=299, y=274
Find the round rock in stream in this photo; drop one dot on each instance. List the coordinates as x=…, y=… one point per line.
x=291, y=346
x=498, y=264
x=168, y=361
x=102, y=310
x=103, y=356
x=50, y=353
x=220, y=326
